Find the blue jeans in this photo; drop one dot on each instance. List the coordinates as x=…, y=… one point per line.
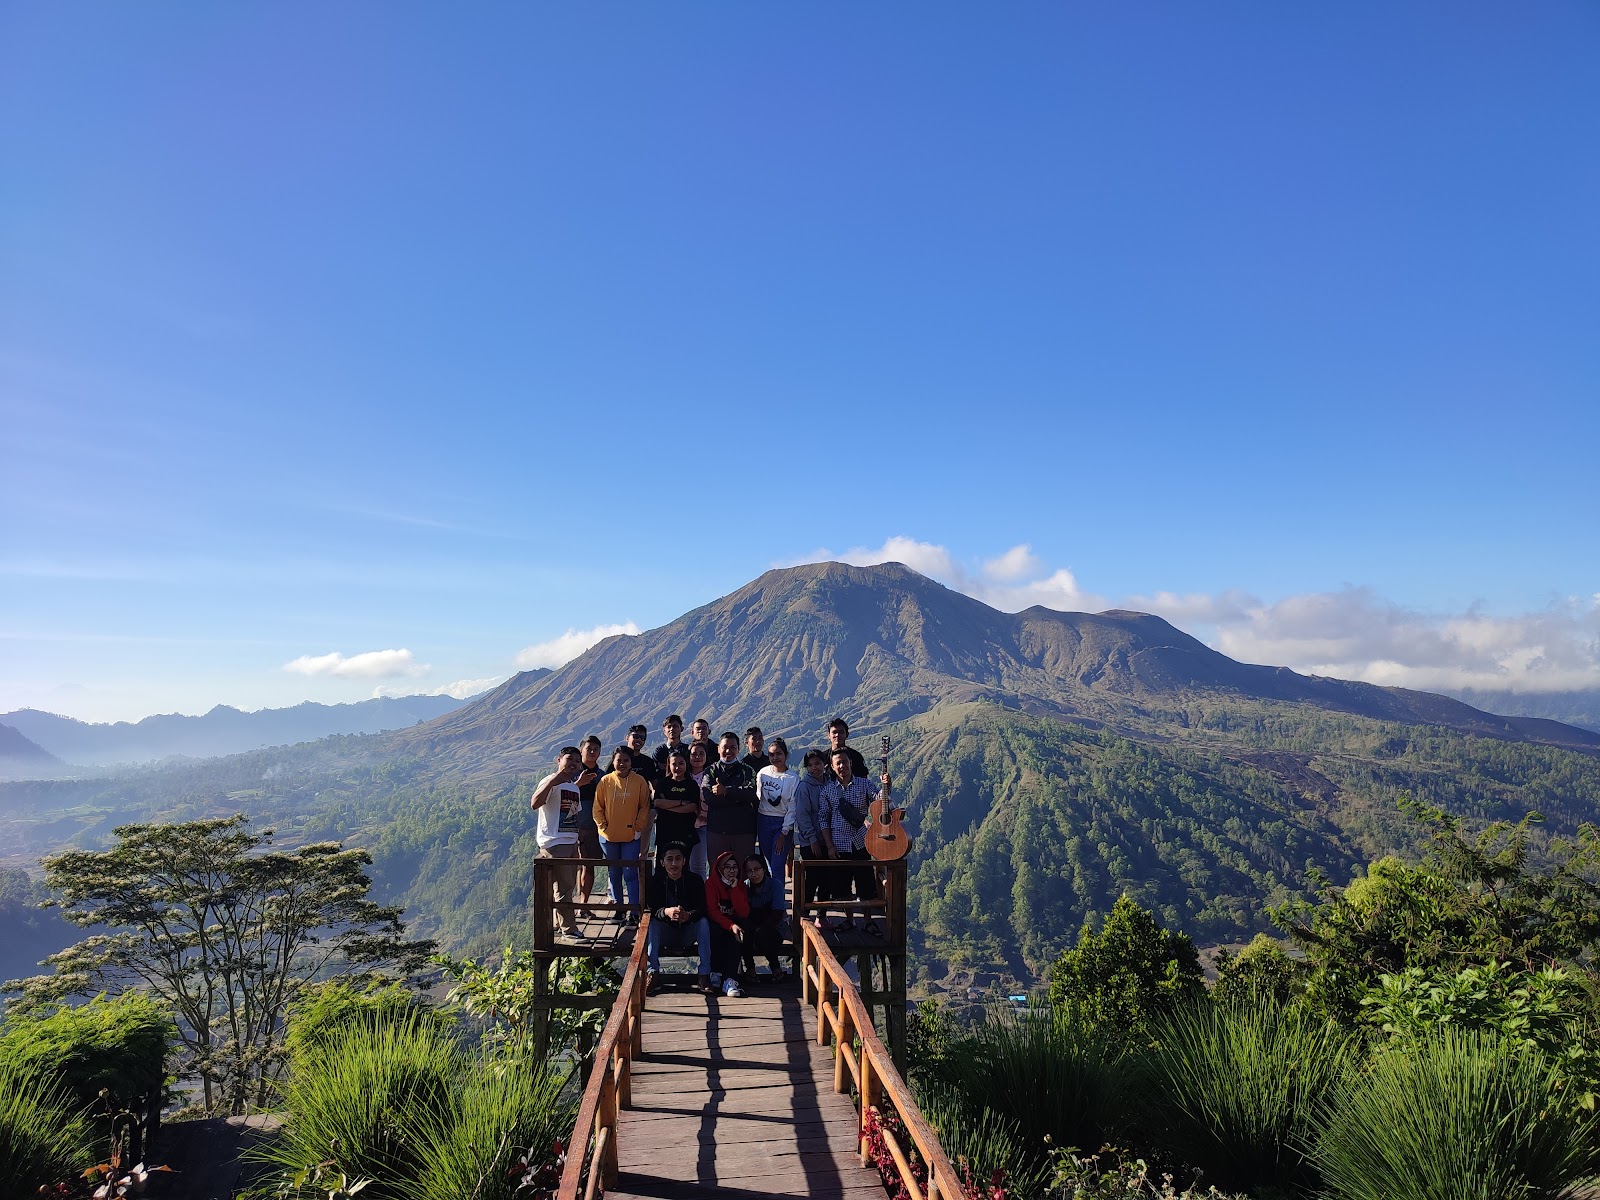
x=669, y=935
x=621, y=852
x=774, y=843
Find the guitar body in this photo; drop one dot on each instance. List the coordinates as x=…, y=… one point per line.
x=887, y=838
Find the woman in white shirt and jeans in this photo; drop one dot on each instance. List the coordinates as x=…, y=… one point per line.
x=775, y=788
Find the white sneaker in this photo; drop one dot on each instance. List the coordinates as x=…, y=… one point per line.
x=732, y=990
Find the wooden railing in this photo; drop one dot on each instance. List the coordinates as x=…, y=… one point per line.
x=592, y=1168
x=871, y=1068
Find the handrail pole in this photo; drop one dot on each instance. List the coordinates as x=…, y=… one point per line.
x=610, y=1082
x=878, y=1079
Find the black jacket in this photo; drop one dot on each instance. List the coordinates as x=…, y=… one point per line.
x=688, y=892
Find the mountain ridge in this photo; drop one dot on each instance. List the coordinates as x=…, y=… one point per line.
x=877, y=644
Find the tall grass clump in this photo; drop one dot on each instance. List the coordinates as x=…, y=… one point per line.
x=1455, y=1116
x=44, y=1136
x=1015, y=1081
x=507, y=1106
x=1236, y=1090
x=357, y=1097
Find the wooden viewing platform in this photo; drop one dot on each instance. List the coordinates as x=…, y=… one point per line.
x=769, y=1094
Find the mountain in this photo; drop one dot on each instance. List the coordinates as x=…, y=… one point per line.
x=880, y=644
x=21, y=758
x=1580, y=708
x=223, y=730
x=1051, y=762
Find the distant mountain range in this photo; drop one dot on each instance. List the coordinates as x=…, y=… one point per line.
x=1581, y=708
x=223, y=730
x=1051, y=763
x=21, y=758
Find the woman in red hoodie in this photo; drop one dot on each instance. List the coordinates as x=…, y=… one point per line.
x=727, y=904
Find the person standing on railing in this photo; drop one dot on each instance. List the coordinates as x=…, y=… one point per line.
x=622, y=815
x=556, y=800
x=677, y=898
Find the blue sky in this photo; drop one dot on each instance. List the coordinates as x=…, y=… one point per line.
x=432, y=336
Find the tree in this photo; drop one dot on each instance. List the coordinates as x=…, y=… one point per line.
x=1469, y=902
x=1130, y=972
x=223, y=929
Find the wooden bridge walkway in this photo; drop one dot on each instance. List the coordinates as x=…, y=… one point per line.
x=734, y=1098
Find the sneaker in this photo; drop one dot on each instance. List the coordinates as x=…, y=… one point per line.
x=653, y=986
x=716, y=979
x=732, y=990
x=704, y=986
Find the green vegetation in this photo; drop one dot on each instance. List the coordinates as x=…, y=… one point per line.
x=1433, y=1035
x=396, y=1100
x=106, y=1055
x=44, y=1137
x=224, y=931
x=1455, y=1114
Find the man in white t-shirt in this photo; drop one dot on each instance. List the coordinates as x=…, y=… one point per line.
x=557, y=800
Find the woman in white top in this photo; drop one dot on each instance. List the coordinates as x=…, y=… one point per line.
x=775, y=788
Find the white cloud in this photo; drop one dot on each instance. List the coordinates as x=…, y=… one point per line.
x=1350, y=634
x=460, y=689
x=561, y=650
x=1016, y=563
x=1000, y=583
x=933, y=561
x=374, y=664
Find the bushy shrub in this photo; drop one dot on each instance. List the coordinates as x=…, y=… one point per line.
x=324, y=1011
x=1261, y=972
x=392, y=1097
x=507, y=1106
x=1235, y=1090
x=357, y=1097
x=44, y=1138
x=1549, y=1010
x=1017, y=1084
x=119, y=1044
x=1127, y=974
x=1454, y=1116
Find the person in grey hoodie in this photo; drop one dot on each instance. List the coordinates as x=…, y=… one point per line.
x=808, y=825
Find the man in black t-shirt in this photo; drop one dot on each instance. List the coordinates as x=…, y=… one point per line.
x=644, y=765
x=588, y=834
x=837, y=732
x=672, y=729
x=753, y=742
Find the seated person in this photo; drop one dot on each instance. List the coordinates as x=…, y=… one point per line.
x=677, y=899
x=763, y=928
x=727, y=906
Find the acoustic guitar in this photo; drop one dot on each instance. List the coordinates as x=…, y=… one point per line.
x=887, y=838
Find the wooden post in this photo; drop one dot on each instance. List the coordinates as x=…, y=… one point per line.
x=841, y=1073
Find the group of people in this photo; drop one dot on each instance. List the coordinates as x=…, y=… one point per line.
x=697, y=803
